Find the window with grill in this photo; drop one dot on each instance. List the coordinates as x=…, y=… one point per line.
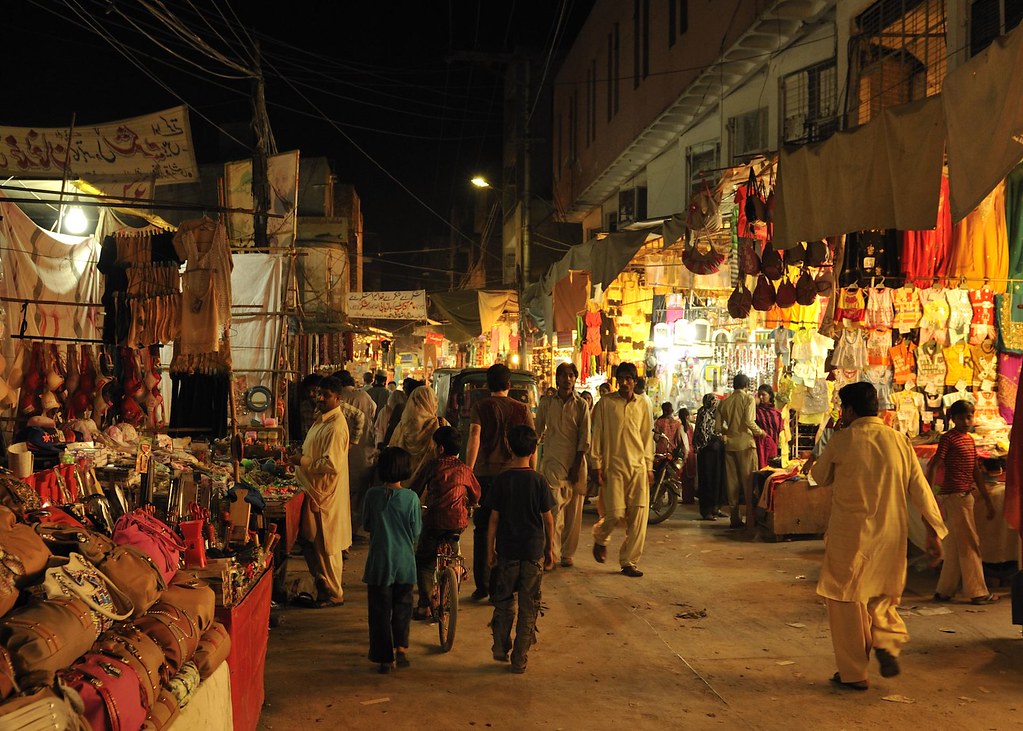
x=748, y=134
x=897, y=55
x=701, y=160
x=810, y=104
x=990, y=19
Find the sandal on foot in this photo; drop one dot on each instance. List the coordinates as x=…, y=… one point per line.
x=989, y=599
x=858, y=685
x=421, y=614
x=942, y=598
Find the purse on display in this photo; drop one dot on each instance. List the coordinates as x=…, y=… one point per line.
x=48, y=709
x=740, y=301
x=63, y=540
x=136, y=575
x=133, y=647
x=48, y=635
x=786, y=295
x=17, y=495
x=701, y=258
x=150, y=535
x=816, y=253
x=80, y=579
x=194, y=597
x=109, y=690
x=795, y=255
x=213, y=649
x=163, y=713
x=763, y=294
x=20, y=541
x=703, y=214
x=806, y=289
x=749, y=262
x=173, y=631
x=771, y=263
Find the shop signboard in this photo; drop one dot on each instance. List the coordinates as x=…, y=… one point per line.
x=400, y=305
x=281, y=227
x=155, y=145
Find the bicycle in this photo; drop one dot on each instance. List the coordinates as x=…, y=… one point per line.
x=448, y=575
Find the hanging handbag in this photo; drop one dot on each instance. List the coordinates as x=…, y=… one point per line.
x=63, y=540
x=740, y=301
x=771, y=263
x=703, y=214
x=163, y=713
x=700, y=258
x=19, y=540
x=45, y=710
x=194, y=597
x=786, y=295
x=816, y=253
x=135, y=574
x=110, y=692
x=17, y=495
x=806, y=289
x=48, y=635
x=763, y=294
x=150, y=535
x=133, y=647
x=80, y=579
x=173, y=631
x=213, y=649
x=749, y=262
x=795, y=255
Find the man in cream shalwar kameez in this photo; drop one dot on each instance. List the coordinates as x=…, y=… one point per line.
x=873, y=471
x=326, y=523
x=563, y=424
x=622, y=453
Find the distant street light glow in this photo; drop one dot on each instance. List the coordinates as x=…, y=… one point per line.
x=480, y=182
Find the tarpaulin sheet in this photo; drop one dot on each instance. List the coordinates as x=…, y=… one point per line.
x=493, y=304
x=460, y=311
x=884, y=174
x=256, y=279
x=983, y=101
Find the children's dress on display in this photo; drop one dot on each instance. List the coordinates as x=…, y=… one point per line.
x=879, y=343
x=850, y=307
x=958, y=364
x=983, y=322
x=903, y=361
x=930, y=367
x=960, y=315
x=851, y=351
x=880, y=307
x=934, y=323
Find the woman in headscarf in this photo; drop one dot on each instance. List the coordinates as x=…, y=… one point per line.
x=419, y=421
x=768, y=418
x=710, y=460
x=388, y=418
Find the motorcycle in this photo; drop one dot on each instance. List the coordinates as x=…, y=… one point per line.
x=666, y=492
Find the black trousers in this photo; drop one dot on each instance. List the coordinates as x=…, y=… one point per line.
x=710, y=474
x=481, y=524
x=390, y=614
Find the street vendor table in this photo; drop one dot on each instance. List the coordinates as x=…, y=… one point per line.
x=791, y=506
x=248, y=623
x=287, y=514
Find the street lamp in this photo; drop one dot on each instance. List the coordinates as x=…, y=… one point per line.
x=480, y=182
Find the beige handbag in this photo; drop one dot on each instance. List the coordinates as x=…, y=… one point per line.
x=46, y=636
x=194, y=597
x=79, y=579
x=135, y=574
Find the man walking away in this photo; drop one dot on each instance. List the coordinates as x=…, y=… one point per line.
x=873, y=470
x=488, y=454
x=378, y=392
x=736, y=420
x=563, y=423
x=622, y=450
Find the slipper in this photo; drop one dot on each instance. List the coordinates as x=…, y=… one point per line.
x=328, y=603
x=858, y=685
x=989, y=599
x=942, y=598
x=421, y=614
x=304, y=599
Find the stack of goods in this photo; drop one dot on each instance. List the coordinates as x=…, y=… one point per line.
x=98, y=632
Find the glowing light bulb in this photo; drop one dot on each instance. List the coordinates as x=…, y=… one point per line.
x=75, y=221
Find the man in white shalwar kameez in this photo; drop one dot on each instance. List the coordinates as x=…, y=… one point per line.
x=563, y=424
x=622, y=454
x=326, y=523
x=874, y=472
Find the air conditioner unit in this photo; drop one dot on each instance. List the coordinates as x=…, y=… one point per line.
x=631, y=205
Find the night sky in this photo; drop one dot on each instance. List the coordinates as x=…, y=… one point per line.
x=394, y=77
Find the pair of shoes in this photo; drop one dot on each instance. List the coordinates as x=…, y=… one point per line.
x=567, y=562
x=401, y=660
x=500, y=656
x=889, y=663
x=989, y=599
x=942, y=598
x=599, y=553
x=421, y=614
x=384, y=668
x=632, y=571
x=517, y=669
x=479, y=595
x=858, y=685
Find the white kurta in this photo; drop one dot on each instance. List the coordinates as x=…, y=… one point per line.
x=622, y=445
x=565, y=431
x=874, y=472
x=324, y=476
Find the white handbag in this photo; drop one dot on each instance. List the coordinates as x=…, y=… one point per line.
x=44, y=710
x=79, y=579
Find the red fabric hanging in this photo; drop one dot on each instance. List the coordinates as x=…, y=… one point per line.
x=925, y=254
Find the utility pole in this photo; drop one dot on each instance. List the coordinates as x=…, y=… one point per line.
x=524, y=195
x=260, y=156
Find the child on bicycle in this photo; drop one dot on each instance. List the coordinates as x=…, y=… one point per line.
x=519, y=548
x=448, y=487
x=392, y=517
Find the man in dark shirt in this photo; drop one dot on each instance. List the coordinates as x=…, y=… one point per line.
x=378, y=391
x=488, y=454
x=519, y=547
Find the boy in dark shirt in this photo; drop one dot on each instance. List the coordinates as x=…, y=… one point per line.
x=518, y=547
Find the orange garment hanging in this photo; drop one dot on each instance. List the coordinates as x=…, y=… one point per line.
x=980, y=244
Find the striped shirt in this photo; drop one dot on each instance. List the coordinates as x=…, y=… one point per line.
x=959, y=453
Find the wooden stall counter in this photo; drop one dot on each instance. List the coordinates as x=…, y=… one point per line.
x=248, y=622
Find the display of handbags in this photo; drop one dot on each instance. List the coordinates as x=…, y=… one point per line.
x=135, y=574
x=109, y=690
x=213, y=649
x=148, y=534
x=63, y=540
x=174, y=632
x=80, y=579
x=130, y=645
x=193, y=597
x=46, y=636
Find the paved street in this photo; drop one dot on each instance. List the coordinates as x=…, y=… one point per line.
x=720, y=633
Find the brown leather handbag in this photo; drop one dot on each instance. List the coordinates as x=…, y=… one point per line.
x=194, y=597
x=21, y=541
x=163, y=713
x=8, y=685
x=63, y=540
x=172, y=630
x=48, y=635
x=17, y=495
x=135, y=648
x=214, y=647
x=135, y=574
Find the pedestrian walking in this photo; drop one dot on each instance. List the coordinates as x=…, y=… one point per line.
x=519, y=547
x=623, y=456
x=710, y=460
x=873, y=470
x=956, y=458
x=768, y=418
x=393, y=519
x=736, y=421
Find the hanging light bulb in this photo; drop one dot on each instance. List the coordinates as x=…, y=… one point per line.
x=75, y=220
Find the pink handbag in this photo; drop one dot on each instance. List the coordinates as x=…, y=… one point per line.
x=153, y=537
x=110, y=691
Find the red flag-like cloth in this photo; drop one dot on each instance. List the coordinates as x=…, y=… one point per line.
x=1014, y=468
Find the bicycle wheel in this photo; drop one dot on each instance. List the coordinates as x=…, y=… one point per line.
x=447, y=610
x=663, y=501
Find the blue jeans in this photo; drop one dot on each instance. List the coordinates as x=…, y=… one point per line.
x=511, y=580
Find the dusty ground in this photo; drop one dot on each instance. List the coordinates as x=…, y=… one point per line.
x=614, y=651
